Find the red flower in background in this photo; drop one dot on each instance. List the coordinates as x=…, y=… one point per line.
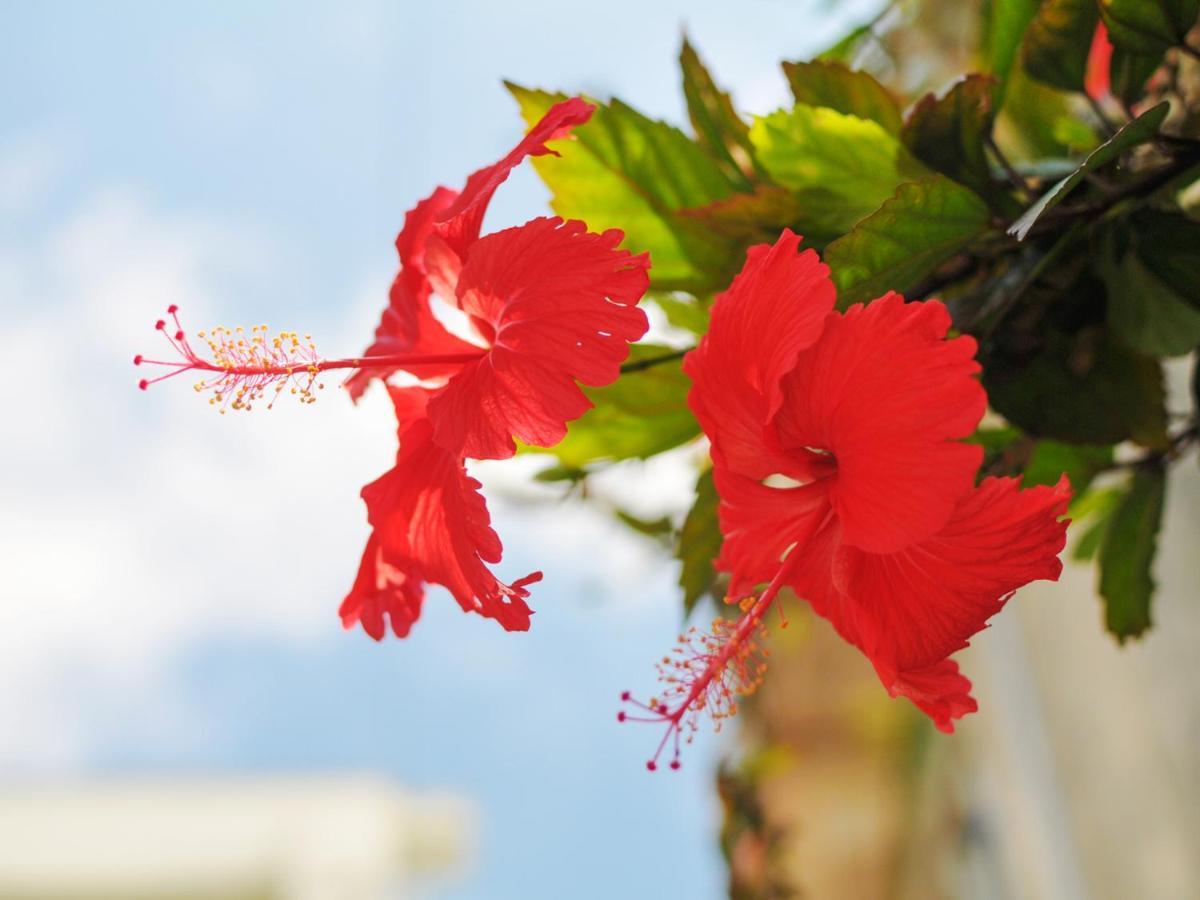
x=837, y=453
x=1097, y=79
x=549, y=304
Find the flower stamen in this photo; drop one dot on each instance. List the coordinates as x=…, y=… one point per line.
x=248, y=367
x=706, y=673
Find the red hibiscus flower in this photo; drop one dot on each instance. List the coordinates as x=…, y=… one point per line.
x=838, y=457
x=548, y=306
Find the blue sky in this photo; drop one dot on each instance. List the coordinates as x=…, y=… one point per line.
x=171, y=578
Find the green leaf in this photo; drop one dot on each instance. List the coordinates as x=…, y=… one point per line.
x=840, y=167
x=921, y=226
x=845, y=48
x=834, y=85
x=1142, y=309
x=699, y=544
x=1004, y=25
x=946, y=133
x=1082, y=387
x=655, y=528
x=1148, y=26
x=752, y=218
x=1039, y=122
x=1127, y=552
x=683, y=311
x=1169, y=243
x=623, y=170
x=637, y=416
x=1079, y=462
x=1093, y=508
x=719, y=129
x=1057, y=41
x=1142, y=129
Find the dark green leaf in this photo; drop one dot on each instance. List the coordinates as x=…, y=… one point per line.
x=925, y=223
x=1196, y=385
x=1127, y=553
x=1142, y=129
x=699, y=544
x=719, y=129
x=1082, y=387
x=1144, y=311
x=1148, y=26
x=656, y=528
x=1169, y=243
x=832, y=84
x=840, y=167
x=1056, y=45
x=639, y=415
x=946, y=133
x=553, y=474
x=623, y=170
x=1128, y=73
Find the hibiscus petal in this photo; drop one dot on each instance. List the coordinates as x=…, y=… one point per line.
x=408, y=324
x=914, y=608
x=775, y=308
x=561, y=304
x=889, y=397
x=940, y=691
x=431, y=521
x=761, y=525
x=459, y=224
x=384, y=591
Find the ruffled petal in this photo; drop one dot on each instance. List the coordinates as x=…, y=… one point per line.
x=775, y=308
x=384, y=591
x=458, y=225
x=889, y=397
x=940, y=691
x=914, y=608
x=408, y=324
x=761, y=525
x=558, y=305
x=432, y=522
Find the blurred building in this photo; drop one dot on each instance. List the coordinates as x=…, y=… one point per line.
x=293, y=838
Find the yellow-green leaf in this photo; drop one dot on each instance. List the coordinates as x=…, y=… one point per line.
x=840, y=167
x=624, y=170
x=641, y=414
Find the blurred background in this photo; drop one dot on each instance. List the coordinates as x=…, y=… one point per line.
x=181, y=713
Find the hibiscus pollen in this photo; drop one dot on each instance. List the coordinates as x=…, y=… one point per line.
x=248, y=367
x=706, y=673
